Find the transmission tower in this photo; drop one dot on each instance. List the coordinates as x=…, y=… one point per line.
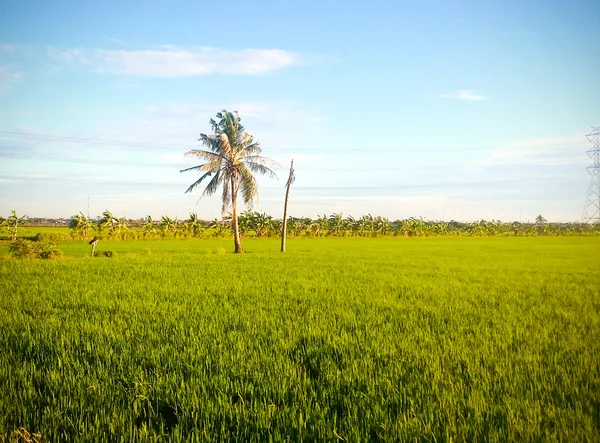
x=591, y=209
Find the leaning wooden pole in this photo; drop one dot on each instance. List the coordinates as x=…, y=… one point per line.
x=94, y=242
x=288, y=185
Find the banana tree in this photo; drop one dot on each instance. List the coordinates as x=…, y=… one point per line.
x=321, y=225
x=263, y=224
x=219, y=227
x=246, y=222
x=351, y=225
x=168, y=226
x=308, y=226
x=80, y=224
x=335, y=224
x=114, y=224
x=294, y=226
x=382, y=225
x=367, y=225
x=194, y=225
x=148, y=227
x=13, y=223
x=120, y=225
x=276, y=227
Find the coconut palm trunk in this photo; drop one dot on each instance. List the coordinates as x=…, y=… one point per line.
x=234, y=219
x=287, y=195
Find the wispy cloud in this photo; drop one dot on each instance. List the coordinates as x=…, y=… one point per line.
x=173, y=61
x=466, y=95
x=8, y=78
x=6, y=48
x=117, y=41
x=548, y=151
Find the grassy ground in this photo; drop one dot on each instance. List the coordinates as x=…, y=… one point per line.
x=391, y=339
x=31, y=231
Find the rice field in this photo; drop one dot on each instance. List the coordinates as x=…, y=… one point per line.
x=356, y=339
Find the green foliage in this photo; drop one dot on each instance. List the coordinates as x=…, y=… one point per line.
x=260, y=224
x=232, y=159
x=114, y=227
x=80, y=225
x=13, y=222
x=50, y=237
x=148, y=227
x=387, y=339
x=22, y=248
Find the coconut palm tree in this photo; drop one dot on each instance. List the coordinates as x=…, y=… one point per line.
x=232, y=157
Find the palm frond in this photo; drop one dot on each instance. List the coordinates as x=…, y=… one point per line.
x=247, y=185
x=260, y=169
x=233, y=157
x=197, y=182
x=251, y=147
x=205, y=155
x=225, y=145
x=193, y=168
x=213, y=185
x=211, y=142
x=271, y=164
x=227, y=193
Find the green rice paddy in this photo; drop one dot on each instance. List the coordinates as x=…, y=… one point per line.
x=350, y=339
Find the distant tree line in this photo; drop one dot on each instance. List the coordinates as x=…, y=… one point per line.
x=262, y=225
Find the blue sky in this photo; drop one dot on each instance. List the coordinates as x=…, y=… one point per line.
x=447, y=110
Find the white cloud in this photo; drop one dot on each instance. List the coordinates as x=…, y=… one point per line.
x=173, y=61
x=466, y=95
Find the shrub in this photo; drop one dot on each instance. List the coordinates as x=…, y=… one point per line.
x=108, y=254
x=22, y=249
x=34, y=249
x=47, y=251
x=51, y=238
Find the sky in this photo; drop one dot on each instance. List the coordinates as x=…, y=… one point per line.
x=461, y=110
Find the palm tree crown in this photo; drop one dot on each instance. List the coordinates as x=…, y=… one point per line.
x=232, y=156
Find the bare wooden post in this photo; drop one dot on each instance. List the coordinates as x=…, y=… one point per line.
x=94, y=242
x=287, y=194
